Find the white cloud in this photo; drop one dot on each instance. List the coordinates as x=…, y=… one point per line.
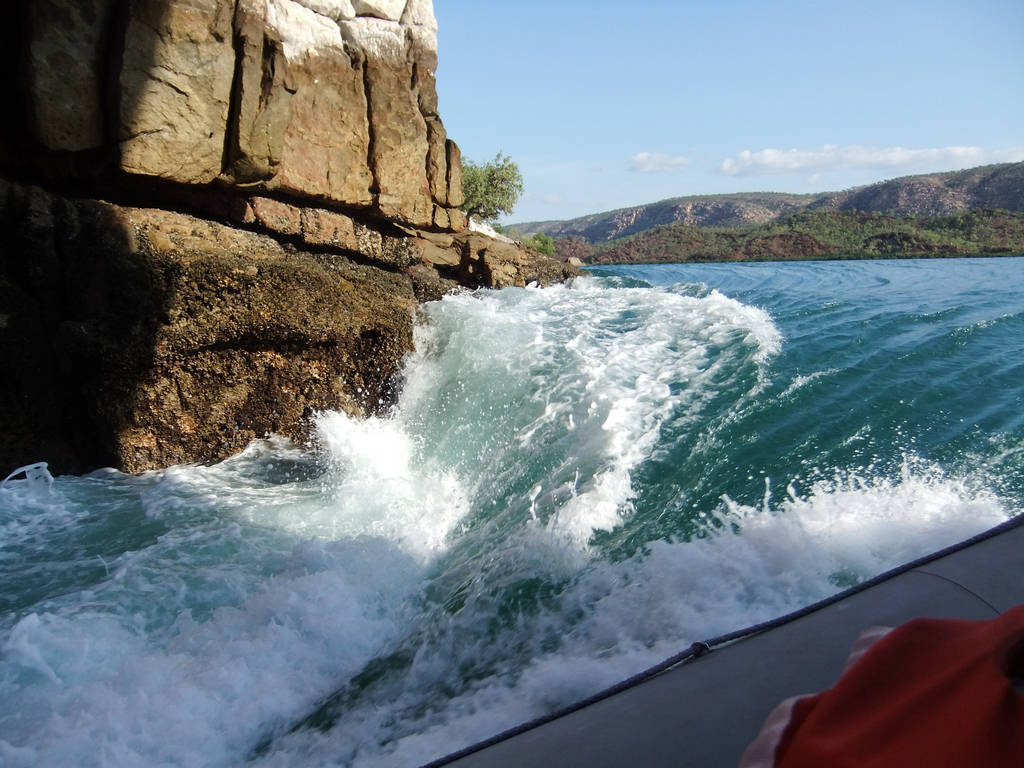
x=657, y=162
x=832, y=157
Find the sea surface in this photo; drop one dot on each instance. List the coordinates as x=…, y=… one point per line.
x=575, y=483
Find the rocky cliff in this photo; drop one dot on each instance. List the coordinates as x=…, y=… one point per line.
x=326, y=100
x=217, y=217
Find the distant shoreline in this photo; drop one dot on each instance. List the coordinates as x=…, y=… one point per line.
x=844, y=257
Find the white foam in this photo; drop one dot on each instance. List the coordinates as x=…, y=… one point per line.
x=856, y=523
x=31, y=511
x=384, y=488
x=460, y=530
x=801, y=381
x=90, y=689
x=615, y=364
x=636, y=613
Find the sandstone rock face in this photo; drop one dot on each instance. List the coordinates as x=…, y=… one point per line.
x=141, y=338
x=263, y=102
x=278, y=194
x=390, y=10
x=66, y=61
x=309, y=98
x=420, y=13
x=175, y=87
x=329, y=100
x=400, y=145
x=332, y=9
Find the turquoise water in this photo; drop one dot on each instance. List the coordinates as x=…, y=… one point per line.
x=575, y=483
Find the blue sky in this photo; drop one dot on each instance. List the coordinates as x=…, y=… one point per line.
x=610, y=104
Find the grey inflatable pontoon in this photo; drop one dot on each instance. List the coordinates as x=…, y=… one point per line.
x=705, y=705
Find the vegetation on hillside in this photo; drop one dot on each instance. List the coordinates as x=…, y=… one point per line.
x=821, y=234
x=538, y=242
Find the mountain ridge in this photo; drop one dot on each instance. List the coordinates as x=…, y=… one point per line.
x=919, y=195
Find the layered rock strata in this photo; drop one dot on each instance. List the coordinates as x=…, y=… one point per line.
x=218, y=218
x=322, y=99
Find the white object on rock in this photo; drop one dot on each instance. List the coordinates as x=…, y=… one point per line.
x=486, y=229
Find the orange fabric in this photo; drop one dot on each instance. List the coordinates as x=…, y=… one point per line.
x=930, y=693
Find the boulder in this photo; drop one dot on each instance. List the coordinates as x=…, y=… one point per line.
x=420, y=13
x=497, y=264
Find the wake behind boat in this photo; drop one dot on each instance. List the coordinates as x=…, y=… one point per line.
x=704, y=706
x=576, y=484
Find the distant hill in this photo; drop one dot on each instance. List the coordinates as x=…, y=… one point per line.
x=823, y=234
x=932, y=194
x=745, y=208
x=936, y=194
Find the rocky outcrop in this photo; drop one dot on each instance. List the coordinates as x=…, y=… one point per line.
x=140, y=337
x=320, y=99
x=217, y=218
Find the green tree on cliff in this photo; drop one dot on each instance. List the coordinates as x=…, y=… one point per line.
x=491, y=189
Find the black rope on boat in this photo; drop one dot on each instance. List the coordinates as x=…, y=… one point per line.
x=705, y=647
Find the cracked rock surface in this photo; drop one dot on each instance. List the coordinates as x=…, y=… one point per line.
x=324, y=99
x=216, y=218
